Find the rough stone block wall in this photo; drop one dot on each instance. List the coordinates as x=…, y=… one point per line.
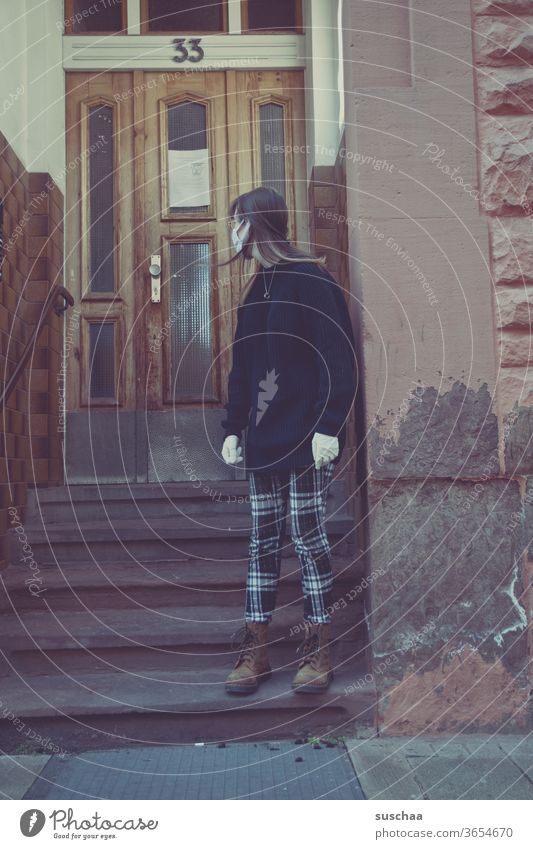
x=32, y=262
x=503, y=52
x=439, y=167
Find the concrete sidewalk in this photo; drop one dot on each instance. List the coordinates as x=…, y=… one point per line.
x=461, y=766
x=473, y=766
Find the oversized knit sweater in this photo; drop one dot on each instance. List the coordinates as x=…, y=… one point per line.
x=293, y=367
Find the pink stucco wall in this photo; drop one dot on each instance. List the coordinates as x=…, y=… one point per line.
x=421, y=124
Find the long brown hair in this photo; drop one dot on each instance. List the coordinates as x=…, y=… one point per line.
x=268, y=215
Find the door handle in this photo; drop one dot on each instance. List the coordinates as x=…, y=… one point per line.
x=155, y=275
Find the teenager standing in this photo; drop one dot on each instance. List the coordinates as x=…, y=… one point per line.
x=292, y=384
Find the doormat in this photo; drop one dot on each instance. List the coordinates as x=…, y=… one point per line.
x=262, y=770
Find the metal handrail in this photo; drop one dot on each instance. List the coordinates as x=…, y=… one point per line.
x=50, y=303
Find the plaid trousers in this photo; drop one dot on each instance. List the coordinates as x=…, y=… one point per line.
x=304, y=491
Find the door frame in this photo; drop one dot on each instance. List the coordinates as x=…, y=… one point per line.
x=131, y=408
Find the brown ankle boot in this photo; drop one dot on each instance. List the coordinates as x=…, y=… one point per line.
x=252, y=664
x=314, y=670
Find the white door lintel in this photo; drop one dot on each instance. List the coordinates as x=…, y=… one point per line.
x=159, y=52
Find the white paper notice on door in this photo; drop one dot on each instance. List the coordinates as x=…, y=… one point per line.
x=188, y=178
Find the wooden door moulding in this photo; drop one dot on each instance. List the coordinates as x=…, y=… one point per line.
x=186, y=97
x=83, y=93
x=144, y=23
x=163, y=228
x=286, y=104
x=144, y=379
x=168, y=398
x=119, y=364
x=85, y=106
x=102, y=297
x=155, y=53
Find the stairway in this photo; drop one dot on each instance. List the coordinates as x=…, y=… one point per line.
x=125, y=633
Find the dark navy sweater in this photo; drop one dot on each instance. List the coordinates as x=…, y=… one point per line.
x=293, y=367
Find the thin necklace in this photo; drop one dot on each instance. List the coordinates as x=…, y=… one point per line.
x=267, y=291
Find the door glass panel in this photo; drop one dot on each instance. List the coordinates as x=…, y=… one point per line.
x=188, y=168
x=101, y=226
x=271, y=15
x=102, y=359
x=190, y=312
x=88, y=16
x=185, y=16
x=272, y=137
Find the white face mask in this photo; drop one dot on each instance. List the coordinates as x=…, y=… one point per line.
x=238, y=241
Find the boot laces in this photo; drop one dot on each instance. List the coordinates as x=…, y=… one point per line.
x=244, y=637
x=309, y=648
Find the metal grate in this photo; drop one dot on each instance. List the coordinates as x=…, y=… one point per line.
x=101, y=198
x=89, y=16
x=102, y=359
x=187, y=130
x=186, y=15
x=272, y=135
x=262, y=770
x=276, y=14
x=190, y=319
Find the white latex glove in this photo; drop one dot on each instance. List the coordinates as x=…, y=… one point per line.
x=231, y=449
x=325, y=449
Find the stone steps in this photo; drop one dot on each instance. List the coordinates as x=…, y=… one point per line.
x=224, y=535
x=128, y=583
x=212, y=625
x=90, y=502
x=92, y=709
x=126, y=629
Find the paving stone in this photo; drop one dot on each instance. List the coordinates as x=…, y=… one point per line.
x=469, y=766
x=18, y=772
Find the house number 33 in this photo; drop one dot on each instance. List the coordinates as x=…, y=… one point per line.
x=193, y=53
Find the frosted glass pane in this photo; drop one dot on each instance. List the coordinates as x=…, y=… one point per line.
x=190, y=319
x=102, y=360
x=272, y=135
x=188, y=154
x=101, y=227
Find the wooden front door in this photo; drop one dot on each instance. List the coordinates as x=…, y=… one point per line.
x=157, y=158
